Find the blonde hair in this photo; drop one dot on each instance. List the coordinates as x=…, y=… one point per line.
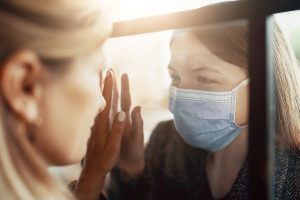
x=288, y=87
x=58, y=31
x=229, y=41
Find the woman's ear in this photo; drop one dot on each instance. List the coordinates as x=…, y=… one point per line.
x=20, y=84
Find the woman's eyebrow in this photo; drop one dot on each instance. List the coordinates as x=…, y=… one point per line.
x=206, y=69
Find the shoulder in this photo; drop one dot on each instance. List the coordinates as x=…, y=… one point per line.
x=286, y=178
x=287, y=159
x=164, y=138
x=165, y=126
x=161, y=137
x=164, y=130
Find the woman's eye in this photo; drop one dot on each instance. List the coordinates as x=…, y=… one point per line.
x=204, y=80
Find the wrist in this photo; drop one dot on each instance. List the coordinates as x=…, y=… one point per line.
x=89, y=185
x=131, y=171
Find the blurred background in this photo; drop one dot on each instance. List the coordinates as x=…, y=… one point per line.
x=145, y=58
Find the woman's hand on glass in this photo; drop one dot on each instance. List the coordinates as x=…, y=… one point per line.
x=131, y=159
x=103, y=147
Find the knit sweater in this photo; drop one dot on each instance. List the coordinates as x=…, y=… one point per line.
x=174, y=170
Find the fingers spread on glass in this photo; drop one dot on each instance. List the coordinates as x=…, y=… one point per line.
x=104, y=143
x=132, y=150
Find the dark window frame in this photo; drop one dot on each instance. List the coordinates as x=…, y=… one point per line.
x=262, y=89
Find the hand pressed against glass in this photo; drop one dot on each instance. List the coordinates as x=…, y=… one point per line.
x=132, y=151
x=103, y=147
x=119, y=142
x=131, y=159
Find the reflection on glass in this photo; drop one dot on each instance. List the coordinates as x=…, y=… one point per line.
x=207, y=97
x=194, y=83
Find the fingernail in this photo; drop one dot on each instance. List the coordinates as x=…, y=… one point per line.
x=139, y=109
x=108, y=73
x=124, y=76
x=121, y=116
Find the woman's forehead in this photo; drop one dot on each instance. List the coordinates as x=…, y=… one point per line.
x=213, y=43
x=188, y=49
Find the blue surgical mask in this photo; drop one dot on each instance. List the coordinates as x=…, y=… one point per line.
x=205, y=119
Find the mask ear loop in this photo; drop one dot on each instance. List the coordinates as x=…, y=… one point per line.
x=235, y=89
x=241, y=84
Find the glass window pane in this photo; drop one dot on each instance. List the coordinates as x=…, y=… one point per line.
x=193, y=86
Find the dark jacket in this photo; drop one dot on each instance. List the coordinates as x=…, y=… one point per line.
x=176, y=171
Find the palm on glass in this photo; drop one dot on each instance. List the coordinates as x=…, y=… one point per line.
x=105, y=141
x=131, y=158
x=103, y=147
x=113, y=141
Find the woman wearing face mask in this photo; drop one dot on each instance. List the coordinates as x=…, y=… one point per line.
x=50, y=53
x=202, y=154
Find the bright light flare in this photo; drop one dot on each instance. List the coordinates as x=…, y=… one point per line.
x=130, y=9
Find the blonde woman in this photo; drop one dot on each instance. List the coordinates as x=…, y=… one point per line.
x=50, y=97
x=202, y=153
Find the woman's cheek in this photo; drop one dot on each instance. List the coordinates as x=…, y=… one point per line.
x=59, y=137
x=89, y=105
x=242, y=106
x=69, y=110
